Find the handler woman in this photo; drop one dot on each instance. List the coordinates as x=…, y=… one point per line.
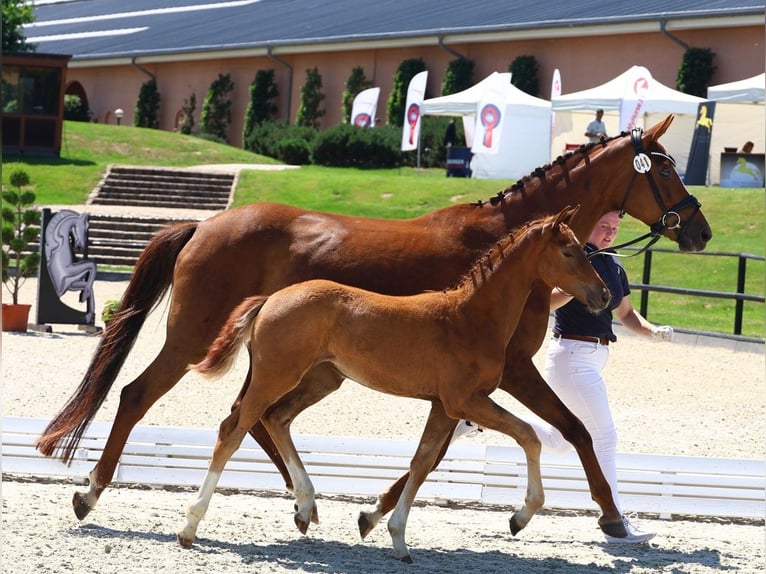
x=578, y=353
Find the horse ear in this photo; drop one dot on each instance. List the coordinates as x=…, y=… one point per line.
x=659, y=128
x=565, y=216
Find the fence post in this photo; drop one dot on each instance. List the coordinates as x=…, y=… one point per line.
x=645, y=281
x=739, y=304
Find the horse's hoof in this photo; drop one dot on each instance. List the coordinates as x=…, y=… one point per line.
x=184, y=541
x=614, y=529
x=516, y=527
x=406, y=559
x=302, y=525
x=81, y=507
x=365, y=526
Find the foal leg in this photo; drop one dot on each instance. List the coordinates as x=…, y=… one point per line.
x=303, y=490
x=438, y=430
x=483, y=411
x=230, y=435
x=368, y=519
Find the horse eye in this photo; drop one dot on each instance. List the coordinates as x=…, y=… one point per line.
x=665, y=172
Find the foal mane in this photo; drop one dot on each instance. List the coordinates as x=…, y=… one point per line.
x=487, y=264
x=539, y=174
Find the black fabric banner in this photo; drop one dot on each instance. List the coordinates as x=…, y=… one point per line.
x=699, y=154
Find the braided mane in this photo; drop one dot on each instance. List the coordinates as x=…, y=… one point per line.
x=540, y=172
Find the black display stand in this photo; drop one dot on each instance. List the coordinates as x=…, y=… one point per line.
x=61, y=235
x=459, y=162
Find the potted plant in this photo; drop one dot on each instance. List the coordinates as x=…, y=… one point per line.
x=111, y=306
x=21, y=227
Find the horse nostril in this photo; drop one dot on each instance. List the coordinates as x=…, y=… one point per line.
x=606, y=296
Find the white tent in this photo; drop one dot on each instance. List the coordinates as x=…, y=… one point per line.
x=526, y=135
x=749, y=90
x=740, y=116
x=633, y=96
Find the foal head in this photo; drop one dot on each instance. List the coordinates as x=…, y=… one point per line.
x=563, y=263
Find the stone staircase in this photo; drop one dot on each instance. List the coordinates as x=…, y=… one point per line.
x=162, y=187
x=117, y=239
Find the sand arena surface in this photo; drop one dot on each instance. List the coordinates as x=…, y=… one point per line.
x=689, y=397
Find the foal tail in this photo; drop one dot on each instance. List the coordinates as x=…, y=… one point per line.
x=151, y=279
x=236, y=332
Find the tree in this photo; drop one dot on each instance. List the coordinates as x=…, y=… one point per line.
x=216, y=109
x=261, y=107
x=187, y=115
x=407, y=70
x=310, y=111
x=356, y=83
x=695, y=72
x=458, y=77
x=524, y=74
x=16, y=13
x=148, y=106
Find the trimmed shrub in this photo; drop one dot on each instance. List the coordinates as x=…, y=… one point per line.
x=294, y=151
x=75, y=109
x=347, y=145
x=695, y=72
x=264, y=138
x=524, y=74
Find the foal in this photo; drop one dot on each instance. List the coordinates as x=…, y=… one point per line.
x=445, y=347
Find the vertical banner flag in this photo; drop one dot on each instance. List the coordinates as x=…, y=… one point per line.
x=697, y=164
x=365, y=108
x=555, y=93
x=415, y=94
x=632, y=105
x=489, y=119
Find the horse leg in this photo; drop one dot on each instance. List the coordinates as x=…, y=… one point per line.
x=485, y=412
x=437, y=432
x=303, y=489
x=230, y=435
x=386, y=501
x=524, y=382
x=135, y=400
x=314, y=386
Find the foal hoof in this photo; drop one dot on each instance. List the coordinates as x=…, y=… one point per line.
x=302, y=525
x=406, y=559
x=81, y=507
x=184, y=541
x=365, y=525
x=515, y=524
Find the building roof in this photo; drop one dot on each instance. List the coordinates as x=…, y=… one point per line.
x=166, y=29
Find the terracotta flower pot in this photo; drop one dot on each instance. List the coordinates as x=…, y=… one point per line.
x=15, y=317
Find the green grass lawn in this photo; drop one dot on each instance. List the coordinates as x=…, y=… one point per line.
x=736, y=215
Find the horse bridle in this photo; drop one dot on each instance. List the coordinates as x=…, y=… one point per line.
x=642, y=163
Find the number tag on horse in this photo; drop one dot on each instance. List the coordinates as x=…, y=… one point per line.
x=642, y=163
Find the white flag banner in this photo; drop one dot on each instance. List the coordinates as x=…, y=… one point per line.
x=489, y=119
x=555, y=93
x=632, y=104
x=415, y=94
x=365, y=108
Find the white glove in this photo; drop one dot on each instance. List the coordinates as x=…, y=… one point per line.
x=662, y=333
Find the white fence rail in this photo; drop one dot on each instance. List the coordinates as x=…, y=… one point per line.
x=662, y=485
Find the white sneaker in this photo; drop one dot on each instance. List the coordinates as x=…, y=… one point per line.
x=466, y=429
x=635, y=534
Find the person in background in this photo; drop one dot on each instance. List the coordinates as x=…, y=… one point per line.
x=451, y=134
x=578, y=353
x=596, y=128
x=748, y=147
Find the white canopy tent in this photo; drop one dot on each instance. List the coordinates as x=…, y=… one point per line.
x=633, y=95
x=739, y=117
x=526, y=135
x=749, y=90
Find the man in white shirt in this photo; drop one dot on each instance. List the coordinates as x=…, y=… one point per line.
x=597, y=128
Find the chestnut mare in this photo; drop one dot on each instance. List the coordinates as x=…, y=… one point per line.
x=447, y=347
x=257, y=249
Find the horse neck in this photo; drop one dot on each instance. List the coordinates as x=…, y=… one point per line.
x=496, y=297
x=597, y=185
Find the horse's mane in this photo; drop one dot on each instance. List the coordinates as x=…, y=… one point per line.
x=491, y=260
x=539, y=174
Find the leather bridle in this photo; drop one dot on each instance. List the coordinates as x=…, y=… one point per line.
x=670, y=218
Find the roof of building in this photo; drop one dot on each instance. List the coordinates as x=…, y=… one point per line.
x=115, y=29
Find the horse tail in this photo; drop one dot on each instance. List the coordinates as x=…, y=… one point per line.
x=236, y=332
x=151, y=279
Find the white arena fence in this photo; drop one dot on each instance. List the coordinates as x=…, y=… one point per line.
x=471, y=472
